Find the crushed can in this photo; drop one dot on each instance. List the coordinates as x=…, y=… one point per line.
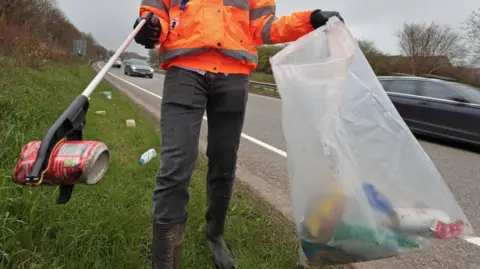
x=71, y=162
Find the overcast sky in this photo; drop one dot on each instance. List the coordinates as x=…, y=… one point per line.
x=110, y=21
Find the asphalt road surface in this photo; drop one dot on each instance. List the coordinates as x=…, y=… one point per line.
x=263, y=153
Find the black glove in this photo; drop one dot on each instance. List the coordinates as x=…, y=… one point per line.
x=150, y=33
x=319, y=18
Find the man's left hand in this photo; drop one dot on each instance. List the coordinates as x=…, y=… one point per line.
x=319, y=18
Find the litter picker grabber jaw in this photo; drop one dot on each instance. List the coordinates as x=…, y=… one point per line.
x=69, y=127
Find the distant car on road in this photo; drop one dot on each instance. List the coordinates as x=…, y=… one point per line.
x=117, y=64
x=137, y=67
x=435, y=107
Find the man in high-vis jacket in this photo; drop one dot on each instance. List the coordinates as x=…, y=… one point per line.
x=208, y=50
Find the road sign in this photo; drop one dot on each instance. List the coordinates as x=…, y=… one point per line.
x=79, y=48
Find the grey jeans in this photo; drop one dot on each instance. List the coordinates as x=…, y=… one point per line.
x=186, y=96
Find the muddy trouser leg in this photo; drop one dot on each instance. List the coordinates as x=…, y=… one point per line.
x=225, y=111
x=183, y=104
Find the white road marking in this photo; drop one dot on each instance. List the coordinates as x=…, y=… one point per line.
x=471, y=240
x=245, y=136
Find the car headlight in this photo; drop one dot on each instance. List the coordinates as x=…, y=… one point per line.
x=133, y=67
x=151, y=69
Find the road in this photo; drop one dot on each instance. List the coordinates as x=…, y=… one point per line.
x=262, y=152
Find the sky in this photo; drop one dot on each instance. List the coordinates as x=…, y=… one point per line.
x=110, y=21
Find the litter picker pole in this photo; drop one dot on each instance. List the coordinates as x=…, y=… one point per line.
x=69, y=126
x=98, y=78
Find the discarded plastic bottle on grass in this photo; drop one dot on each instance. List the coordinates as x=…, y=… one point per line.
x=148, y=156
x=107, y=95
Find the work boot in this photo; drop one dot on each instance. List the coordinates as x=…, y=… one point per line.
x=216, y=214
x=222, y=258
x=168, y=243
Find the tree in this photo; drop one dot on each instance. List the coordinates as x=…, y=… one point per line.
x=376, y=58
x=37, y=31
x=110, y=53
x=264, y=54
x=430, y=47
x=153, y=57
x=132, y=55
x=94, y=49
x=471, y=28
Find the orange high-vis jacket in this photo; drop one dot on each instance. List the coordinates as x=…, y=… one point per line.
x=220, y=35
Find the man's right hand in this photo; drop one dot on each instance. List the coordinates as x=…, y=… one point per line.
x=149, y=35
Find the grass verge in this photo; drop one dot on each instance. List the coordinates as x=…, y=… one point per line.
x=261, y=77
x=108, y=225
x=264, y=91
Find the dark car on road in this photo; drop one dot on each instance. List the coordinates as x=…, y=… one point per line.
x=137, y=67
x=435, y=107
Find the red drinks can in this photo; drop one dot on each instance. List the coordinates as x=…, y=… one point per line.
x=70, y=162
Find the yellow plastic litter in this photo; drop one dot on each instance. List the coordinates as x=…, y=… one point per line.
x=325, y=213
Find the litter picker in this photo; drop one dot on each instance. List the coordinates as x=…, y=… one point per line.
x=62, y=158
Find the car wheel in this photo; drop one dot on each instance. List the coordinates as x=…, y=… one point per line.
x=151, y=76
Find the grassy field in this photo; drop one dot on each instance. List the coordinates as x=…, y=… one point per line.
x=108, y=225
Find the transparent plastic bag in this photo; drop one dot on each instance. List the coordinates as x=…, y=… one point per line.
x=362, y=187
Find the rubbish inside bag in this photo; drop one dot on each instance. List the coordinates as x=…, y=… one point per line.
x=362, y=188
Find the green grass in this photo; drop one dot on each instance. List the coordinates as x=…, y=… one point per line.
x=264, y=91
x=261, y=77
x=108, y=225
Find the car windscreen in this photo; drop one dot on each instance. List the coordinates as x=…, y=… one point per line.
x=140, y=62
x=470, y=92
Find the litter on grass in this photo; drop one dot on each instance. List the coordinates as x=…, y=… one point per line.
x=107, y=95
x=130, y=123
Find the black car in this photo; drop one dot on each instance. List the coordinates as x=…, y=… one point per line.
x=436, y=107
x=137, y=67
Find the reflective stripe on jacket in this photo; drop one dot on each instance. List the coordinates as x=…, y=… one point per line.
x=221, y=35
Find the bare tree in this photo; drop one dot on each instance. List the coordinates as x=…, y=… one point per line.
x=35, y=31
x=471, y=28
x=377, y=59
x=430, y=47
x=367, y=46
